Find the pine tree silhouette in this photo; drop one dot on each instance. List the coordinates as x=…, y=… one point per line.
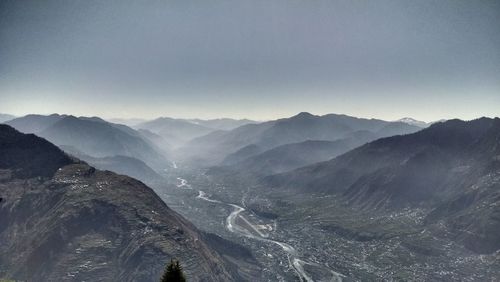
x=173, y=272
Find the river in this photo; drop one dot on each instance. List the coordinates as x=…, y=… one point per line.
x=293, y=256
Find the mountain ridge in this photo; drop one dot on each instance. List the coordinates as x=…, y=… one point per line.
x=301, y=127
x=93, y=136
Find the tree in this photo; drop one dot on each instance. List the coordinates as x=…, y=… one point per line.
x=173, y=272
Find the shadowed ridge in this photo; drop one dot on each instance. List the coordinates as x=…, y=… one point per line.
x=29, y=155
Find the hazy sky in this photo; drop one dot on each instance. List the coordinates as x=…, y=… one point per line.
x=428, y=59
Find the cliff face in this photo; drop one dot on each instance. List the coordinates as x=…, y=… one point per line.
x=62, y=220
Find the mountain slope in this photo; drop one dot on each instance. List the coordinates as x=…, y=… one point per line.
x=452, y=139
x=127, y=121
x=242, y=154
x=175, y=131
x=450, y=168
x=61, y=220
x=211, y=149
x=132, y=167
x=28, y=155
x=222, y=123
x=287, y=157
x=6, y=117
x=157, y=141
x=101, y=139
x=252, y=161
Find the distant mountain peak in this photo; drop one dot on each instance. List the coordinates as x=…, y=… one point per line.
x=70, y=117
x=408, y=119
x=412, y=121
x=304, y=114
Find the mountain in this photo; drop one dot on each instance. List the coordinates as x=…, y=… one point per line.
x=250, y=160
x=286, y=157
x=419, y=123
x=222, y=123
x=158, y=141
x=213, y=148
x=34, y=123
x=127, y=121
x=451, y=169
x=62, y=220
x=120, y=164
x=6, y=117
x=175, y=131
x=289, y=156
x=154, y=140
x=93, y=136
x=415, y=122
x=242, y=154
x=27, y=156
x=127, y=166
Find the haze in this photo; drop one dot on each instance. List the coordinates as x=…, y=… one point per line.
x=253, y=59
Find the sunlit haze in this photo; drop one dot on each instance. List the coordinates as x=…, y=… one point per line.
x=251, y=59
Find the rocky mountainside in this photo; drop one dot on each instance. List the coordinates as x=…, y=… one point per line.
x=62, y=220
x=451, y=169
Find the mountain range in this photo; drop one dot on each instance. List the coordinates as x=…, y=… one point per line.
x=221, y=146
x=451, y=169
x=179, y=131
x=222, y=123
x=285, y=157
x=415, y=122
x=94, y=137
x=419, y=123
x=426, y=194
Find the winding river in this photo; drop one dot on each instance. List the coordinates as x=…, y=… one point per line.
x=293, y=257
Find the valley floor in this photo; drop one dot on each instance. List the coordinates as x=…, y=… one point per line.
x=318, y=238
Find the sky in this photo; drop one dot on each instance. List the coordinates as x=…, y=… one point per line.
x=258, y=59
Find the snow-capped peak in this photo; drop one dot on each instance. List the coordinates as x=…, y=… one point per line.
x=414, y=122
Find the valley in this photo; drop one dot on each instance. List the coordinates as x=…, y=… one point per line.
x=257, y=232
x=294, y=239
